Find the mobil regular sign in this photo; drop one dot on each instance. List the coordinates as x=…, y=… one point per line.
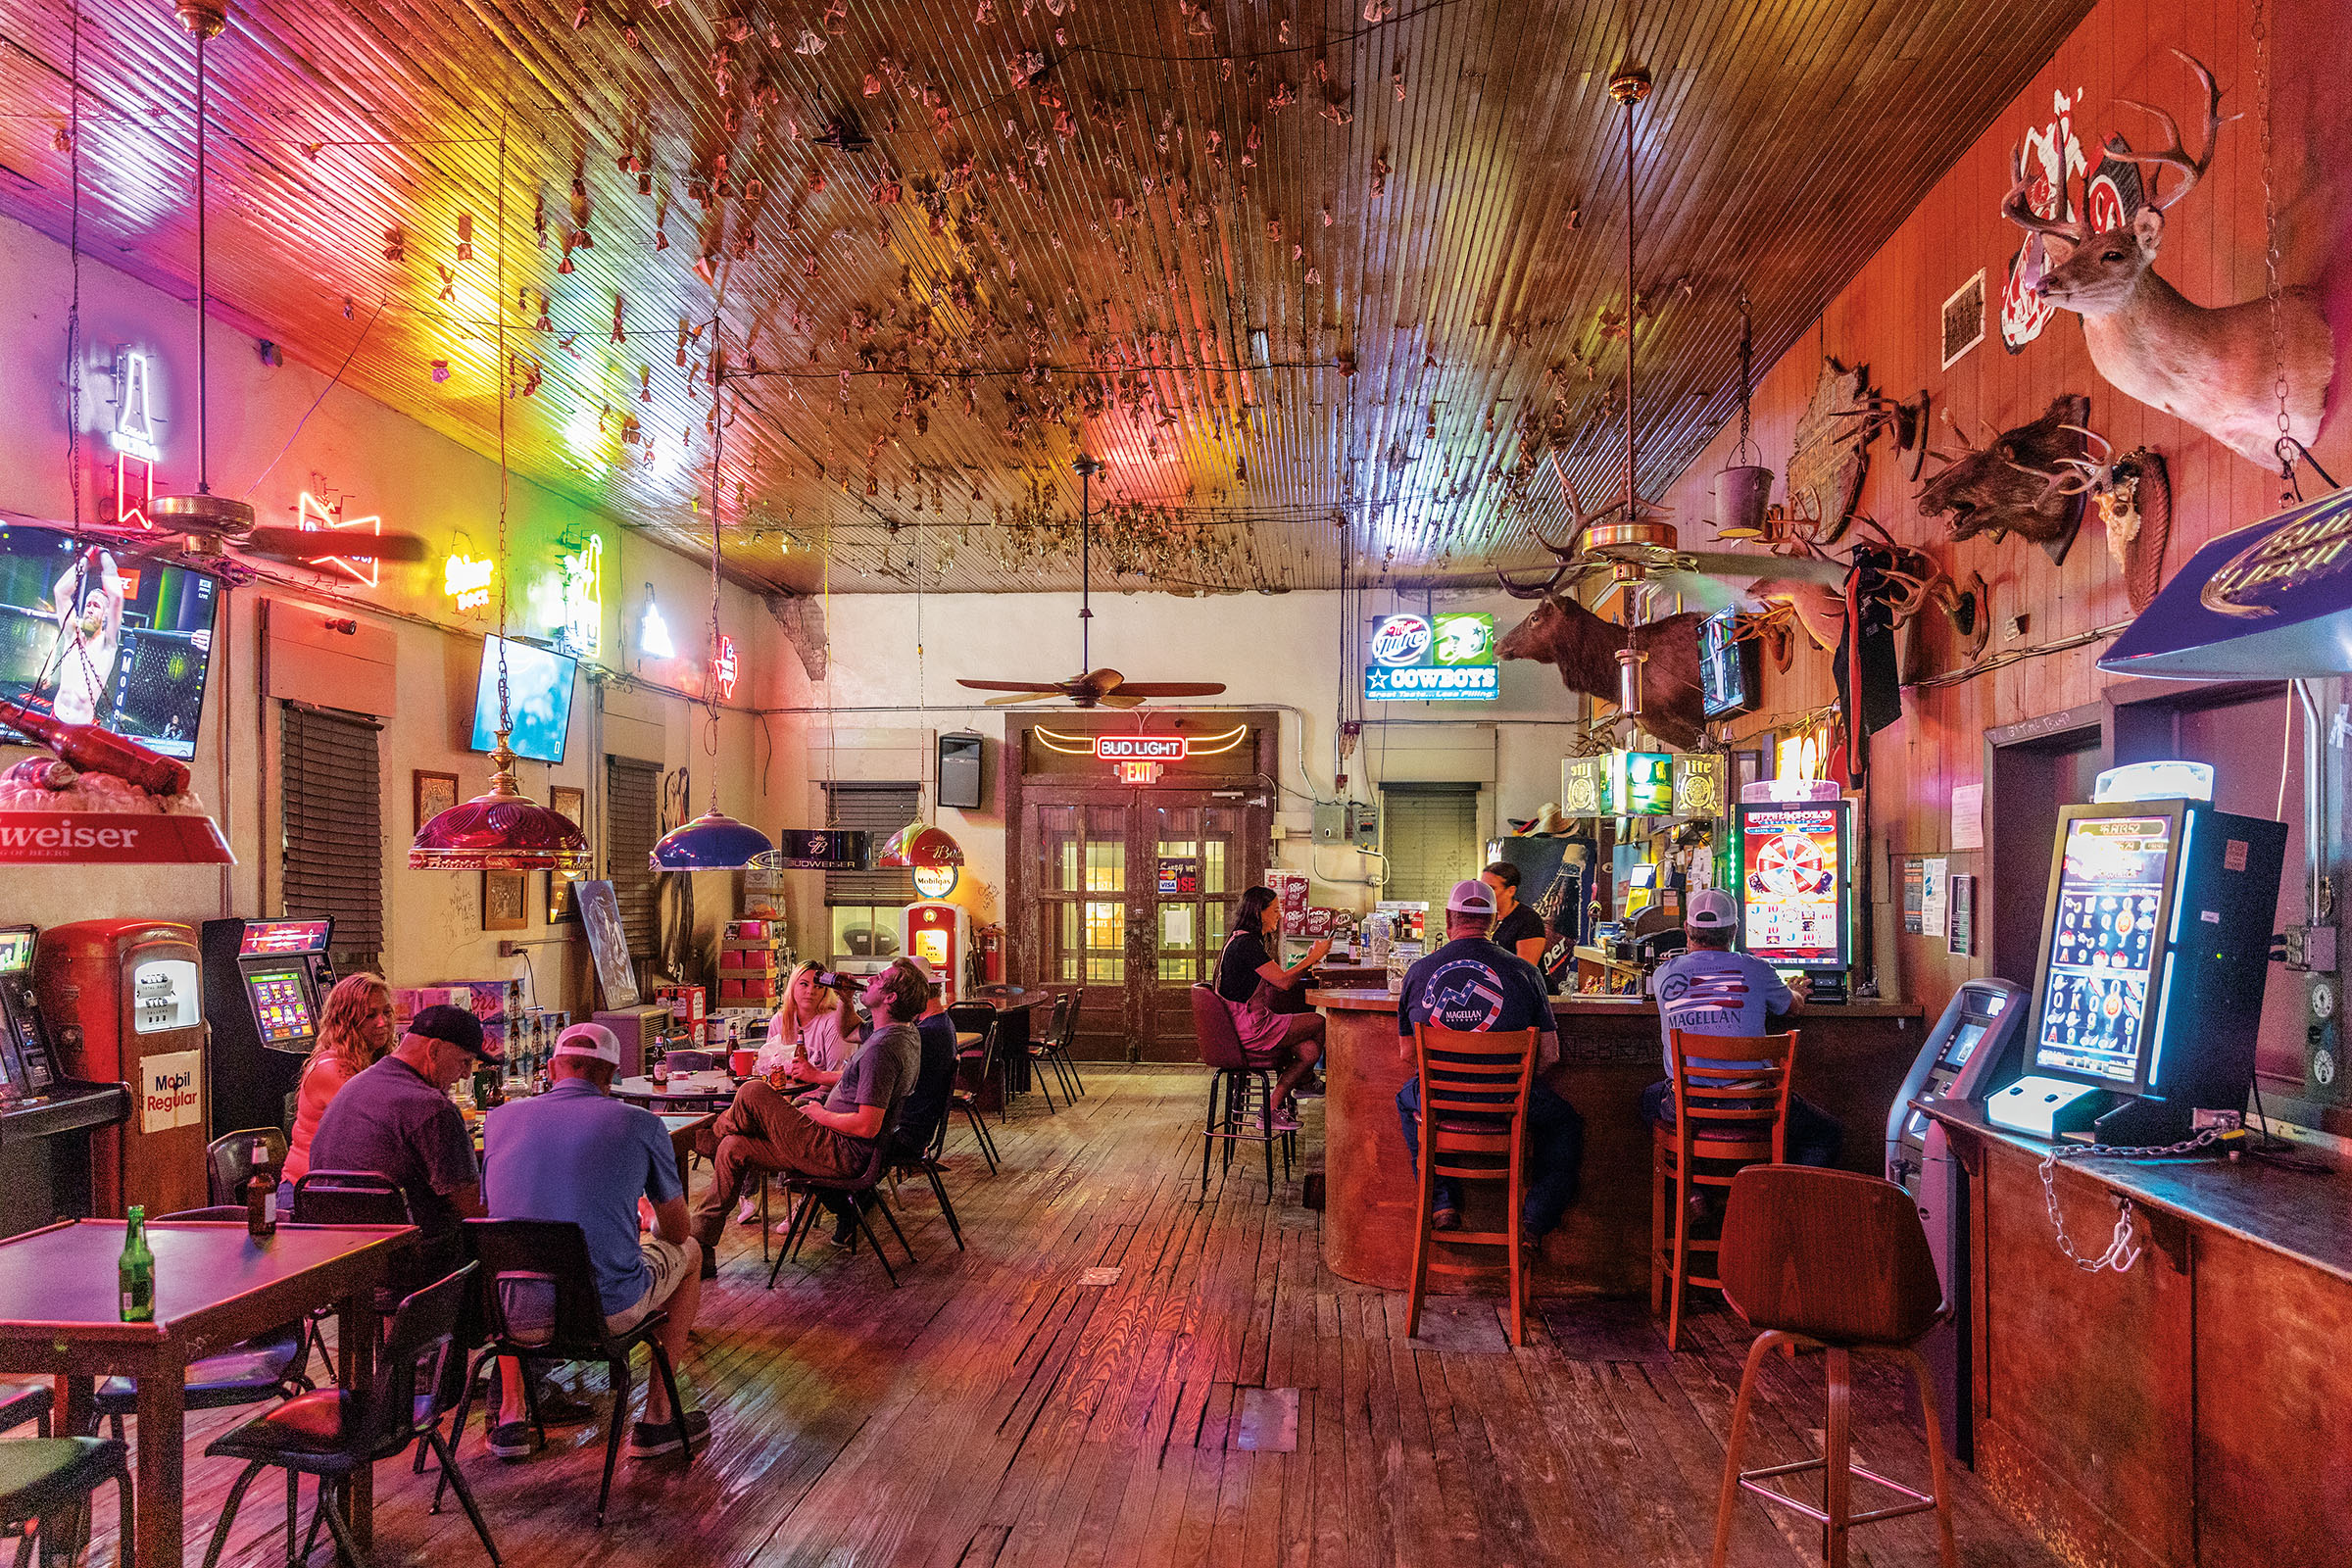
x=1432, y=659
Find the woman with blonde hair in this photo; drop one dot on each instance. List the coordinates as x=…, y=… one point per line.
x=354, y=1031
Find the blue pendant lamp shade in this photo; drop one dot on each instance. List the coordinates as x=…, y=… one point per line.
x=711, y=841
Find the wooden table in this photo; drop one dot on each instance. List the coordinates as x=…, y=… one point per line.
x=680, y=1095
x=1013, y=1006
x=2195, y=1409
x=1850, y=1063
x=214, y=1285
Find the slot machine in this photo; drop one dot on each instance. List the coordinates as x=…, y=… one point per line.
x=1794, y=881
x=265, y=987
x=939, y=933
x=46, y=1118
x=124, y=999
x=1975, y=1044
x=2155, y=949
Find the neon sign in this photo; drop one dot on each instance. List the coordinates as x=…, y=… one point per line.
x=134, y=492
x=134, y=433
x=466, y=581
x=314, y=515
x=580, y=581
x=653, y=632
x=726, y=667
x=1142, y=748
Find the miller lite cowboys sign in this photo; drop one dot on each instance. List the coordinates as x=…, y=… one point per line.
x=1432, y=659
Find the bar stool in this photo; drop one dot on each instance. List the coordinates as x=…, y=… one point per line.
x=1473, y=1128
x=40, y=1477
x=1836, y=1261
x=1233, y=1073
x=1731, y=1108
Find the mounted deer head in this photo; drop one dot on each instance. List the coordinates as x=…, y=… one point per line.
x=2213, y=368
x=1583, y=648
x=2016, y=483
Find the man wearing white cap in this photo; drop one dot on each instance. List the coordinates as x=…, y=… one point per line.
x=1474, y=985
x=574, y=1154
x=1709, y=989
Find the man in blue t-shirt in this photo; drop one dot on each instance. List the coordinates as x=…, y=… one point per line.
x=1473, y=984
x=575, y=1153
x=1710, y=990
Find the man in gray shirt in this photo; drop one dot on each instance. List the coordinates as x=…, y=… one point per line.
x=762, y=1130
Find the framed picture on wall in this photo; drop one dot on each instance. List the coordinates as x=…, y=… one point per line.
x=574, y=805
x=433, y=794
x=506, y=901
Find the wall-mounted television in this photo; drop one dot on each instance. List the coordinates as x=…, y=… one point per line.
x=96, y=637
x=539, y=685
x=1730, y=670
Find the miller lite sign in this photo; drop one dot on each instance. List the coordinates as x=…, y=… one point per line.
x=1433, y=658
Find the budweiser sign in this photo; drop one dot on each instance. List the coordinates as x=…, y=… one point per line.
x=109, y=838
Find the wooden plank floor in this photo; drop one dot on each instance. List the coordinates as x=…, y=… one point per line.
x=1220, y=1399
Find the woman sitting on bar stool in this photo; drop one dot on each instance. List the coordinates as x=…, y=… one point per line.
x=1249, y=980
x=811, y=1035
x=355, y=1030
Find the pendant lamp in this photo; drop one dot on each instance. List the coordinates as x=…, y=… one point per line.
x=712, y=841
x=919, y=847
x=502, y=829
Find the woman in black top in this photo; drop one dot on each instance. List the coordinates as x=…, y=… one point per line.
x=1246, y=977
x=1517, y=928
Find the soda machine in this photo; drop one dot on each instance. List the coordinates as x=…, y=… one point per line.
x=265, y=989
x=46, y=1118
x=2155, y=949
x=126, y=999
x=939, y=933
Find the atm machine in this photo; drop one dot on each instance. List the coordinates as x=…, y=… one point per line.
x=125, y=1000
x=2155, y=949
x=1975, y=1045
x=265, y=987
x=47, y=1119
x=939, y=933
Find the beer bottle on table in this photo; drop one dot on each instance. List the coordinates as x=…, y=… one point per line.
x=261, y=1193
x=135, y=1270
x=661, y=1073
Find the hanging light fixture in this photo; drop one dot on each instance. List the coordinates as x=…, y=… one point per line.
x=502, y=829
x=712, y=841
x=930, y=853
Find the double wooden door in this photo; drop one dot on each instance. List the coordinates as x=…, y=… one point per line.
x=1131, y=896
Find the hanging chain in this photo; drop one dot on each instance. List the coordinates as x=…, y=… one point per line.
x=2270, y=253
x=1747, y=365
x=718, y=447
x=2124, y=1246
x=73, y=309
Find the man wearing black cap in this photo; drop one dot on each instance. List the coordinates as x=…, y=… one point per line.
x=397, y=1119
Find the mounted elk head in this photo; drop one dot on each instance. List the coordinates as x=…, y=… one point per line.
x=2012, y=483
x=1583, y=648
x=2214, y=368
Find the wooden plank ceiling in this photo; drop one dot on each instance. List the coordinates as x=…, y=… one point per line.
x=1312, y=280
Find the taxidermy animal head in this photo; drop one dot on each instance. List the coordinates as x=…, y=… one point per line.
x=2014, y=482
x=1583, y=648
x=2214, y=368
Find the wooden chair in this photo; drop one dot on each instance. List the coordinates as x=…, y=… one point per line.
x=1830, y=1260
x=229, y=1161
x=1731, y=1108
x=1233, y=1075
x=1473, y=1128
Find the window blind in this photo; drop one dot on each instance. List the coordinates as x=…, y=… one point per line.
x=881, y=810
x=332, y=842
x=632, y=821
x=1430, y=834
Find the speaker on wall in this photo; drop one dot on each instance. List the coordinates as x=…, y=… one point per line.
x=959, y=771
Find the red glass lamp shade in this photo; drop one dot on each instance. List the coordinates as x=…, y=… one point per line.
x=501, y=829
x=919, y=846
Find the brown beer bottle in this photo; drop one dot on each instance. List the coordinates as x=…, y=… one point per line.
x=261, y=1193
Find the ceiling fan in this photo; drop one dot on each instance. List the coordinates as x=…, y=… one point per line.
x=207, y=525
x=1096, y=688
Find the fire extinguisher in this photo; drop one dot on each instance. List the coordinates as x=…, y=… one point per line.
x=992, y=955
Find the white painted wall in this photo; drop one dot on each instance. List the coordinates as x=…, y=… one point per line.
x=417, y=480
x=1285, y=652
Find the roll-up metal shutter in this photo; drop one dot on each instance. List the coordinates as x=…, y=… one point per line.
x=632, y=824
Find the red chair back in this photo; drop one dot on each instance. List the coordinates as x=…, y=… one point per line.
x=1212, y=1026
x=1833, y=1255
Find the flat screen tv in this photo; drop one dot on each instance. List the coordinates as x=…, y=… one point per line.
x=538, y=700
x=1731, y=668
x=98, y=638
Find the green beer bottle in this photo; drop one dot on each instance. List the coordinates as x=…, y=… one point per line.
x=136, y=1270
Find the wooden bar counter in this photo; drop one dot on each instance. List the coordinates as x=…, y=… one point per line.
x=1850, y=1062
x=2195, y=1409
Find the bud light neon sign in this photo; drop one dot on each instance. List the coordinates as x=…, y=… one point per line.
x=1437, y=658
